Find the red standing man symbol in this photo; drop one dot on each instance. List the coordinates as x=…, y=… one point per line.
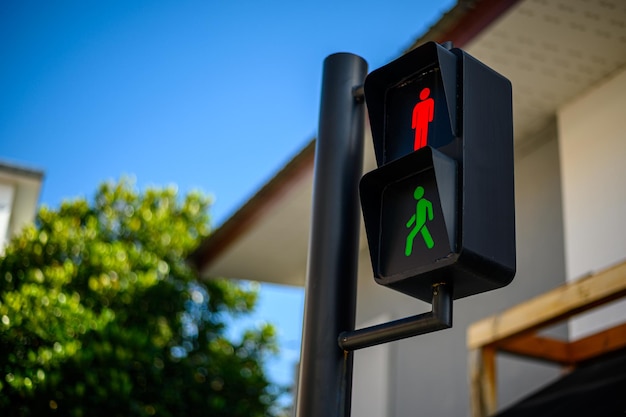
x=423, y=113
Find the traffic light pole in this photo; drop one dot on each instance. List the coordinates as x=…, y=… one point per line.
x=325, y=381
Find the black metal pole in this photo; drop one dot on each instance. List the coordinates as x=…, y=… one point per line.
x=325, y=381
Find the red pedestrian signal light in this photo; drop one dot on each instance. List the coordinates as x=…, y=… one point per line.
x=412, y=102
x=440, y=206
x=423, y=114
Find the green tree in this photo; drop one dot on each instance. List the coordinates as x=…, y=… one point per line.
x=101, y=316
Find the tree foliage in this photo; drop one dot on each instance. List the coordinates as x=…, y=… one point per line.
x=101, y=316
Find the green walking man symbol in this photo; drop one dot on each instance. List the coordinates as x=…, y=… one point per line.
x=423, y=211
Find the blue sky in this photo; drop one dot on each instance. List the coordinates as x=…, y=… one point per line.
x=211, y=95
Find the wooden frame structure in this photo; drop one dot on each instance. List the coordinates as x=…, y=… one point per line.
x=515, y=331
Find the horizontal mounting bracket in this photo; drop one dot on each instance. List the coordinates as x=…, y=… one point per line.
x=438, y=319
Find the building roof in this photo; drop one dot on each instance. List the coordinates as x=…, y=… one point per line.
x=14, y=170
x=552, y=51
x=234, y=242
x=593, y=389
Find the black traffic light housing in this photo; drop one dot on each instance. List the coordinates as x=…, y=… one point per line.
x=440, y=206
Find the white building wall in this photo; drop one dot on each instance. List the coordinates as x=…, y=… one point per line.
x=592, y=142
x=427, y=375
x=19, y=193
x=7, y=192
x=371, y=377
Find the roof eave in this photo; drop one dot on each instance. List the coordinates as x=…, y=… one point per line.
x=464, y=22
x=252, y=211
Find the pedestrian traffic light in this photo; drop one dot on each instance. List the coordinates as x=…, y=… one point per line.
x=440, y=206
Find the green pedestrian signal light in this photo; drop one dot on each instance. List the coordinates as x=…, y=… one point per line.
x=440, y=206
x=417, y=222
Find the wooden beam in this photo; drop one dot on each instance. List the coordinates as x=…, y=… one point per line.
x=551, y=307
x=598, y=344
x=489, y=383
x=482, y=371
x=537, y=347
x=475, y=375
x=566, y=353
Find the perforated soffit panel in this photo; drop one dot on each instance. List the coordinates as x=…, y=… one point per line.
x=553, y=51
